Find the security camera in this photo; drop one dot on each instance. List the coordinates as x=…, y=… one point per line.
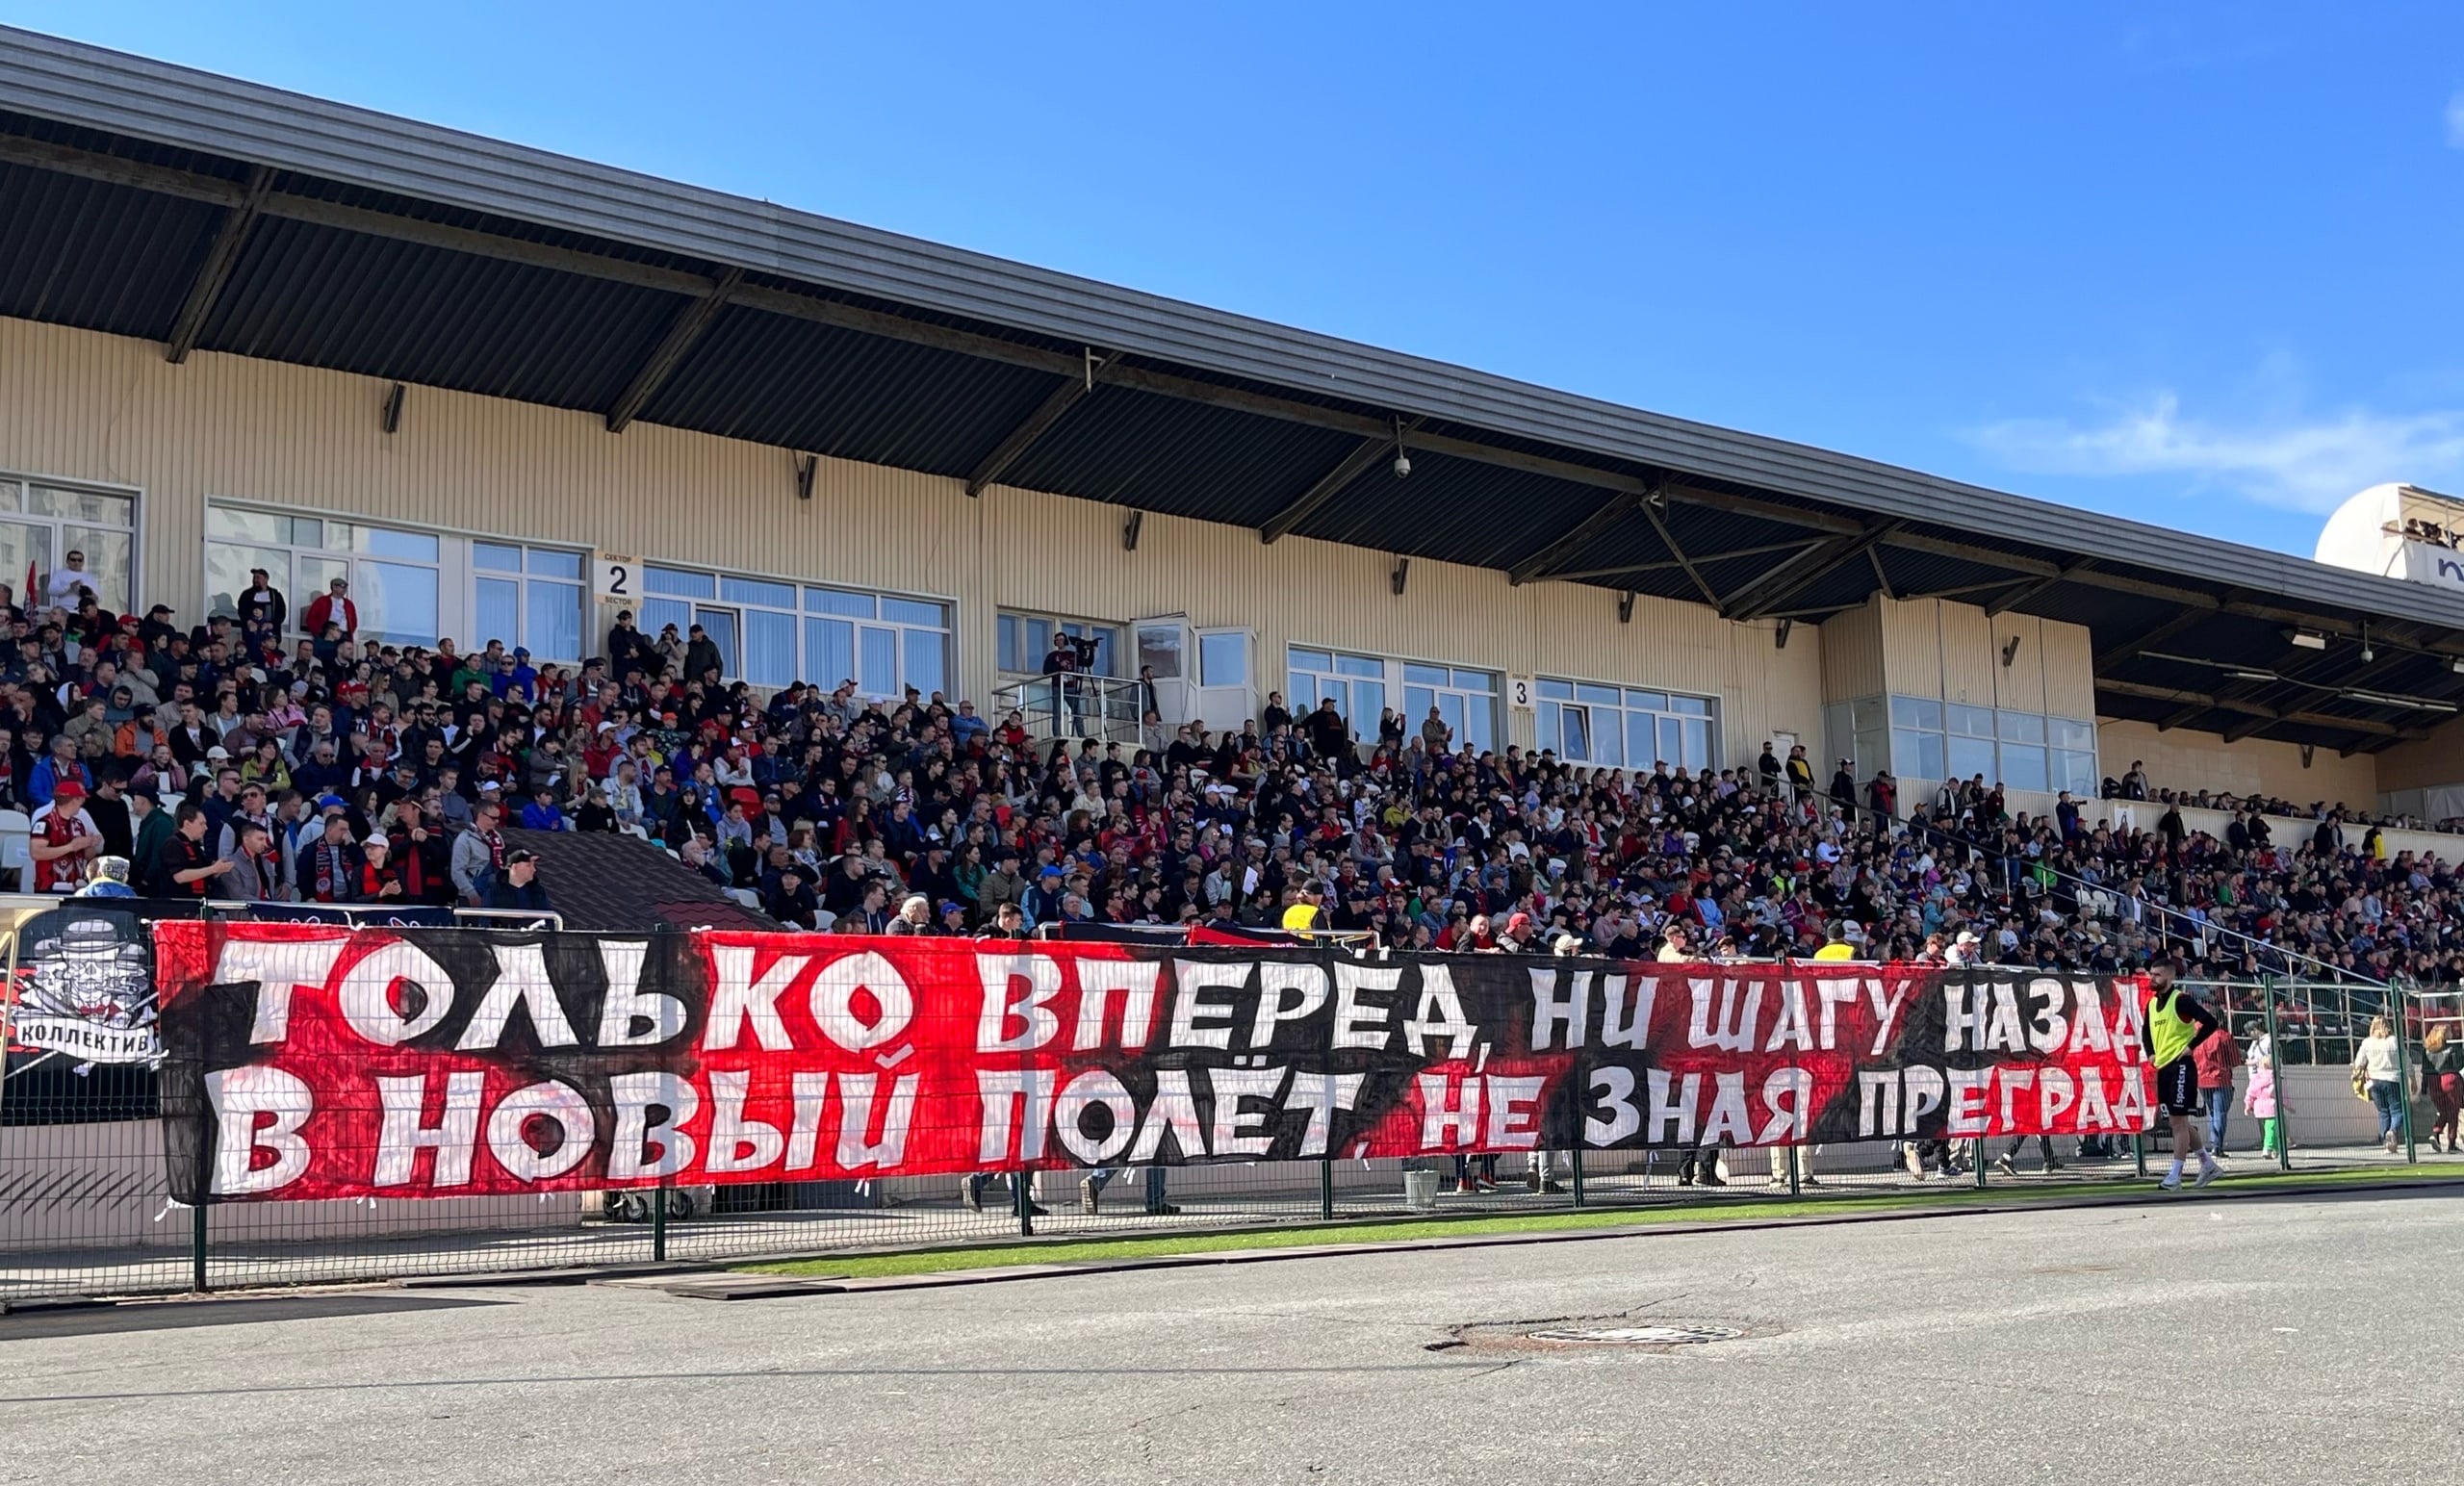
x=1402, y=465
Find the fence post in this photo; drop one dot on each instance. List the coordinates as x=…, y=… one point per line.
x=196, y=1245
x=2276, y=1079
x=2138, y=1152
x=1577, y=1164
x=659, y=1224
x=1976, y=1159
x=1796, y=1174
x=1325, y=1190
x=2400, y=1005
x=1025, y=1205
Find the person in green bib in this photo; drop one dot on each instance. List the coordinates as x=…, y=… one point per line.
x=2174, y=1024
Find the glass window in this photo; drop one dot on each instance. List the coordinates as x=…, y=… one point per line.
x=11, y=496
x=1648, y=700
x=660, y=613
x=1603, y=696
x=86, y=505
x=1475, y=680
x=1160, y=646
x=1553, y=691
x=24, y=544
x=1971, y=722
x=720, y=625
x=838, y=600
x=750, y=590
x=552, y=623
x=2070, y=732
x=495, y=608
x=548, y=562
x=683, y=585
x=2020, y=726
x=1546, y=730
x=769, y=646
x=397, y=602
x=1223, y=658
x=1967, y=756
x=1865, y=714
x=1641, y=738
x=223, y=521
x=915, y=611
x=2075, y=772
x=1312, y=661
x=926, y=654
x=496, y=557
x=830, y=652
x=2023, y=766
x=1916, y=755
x=1358, y=665
x=1608, y=740
x=109, y=554
x=876, y=660
x=1416, y=675
x=1916, y=712
x=386, y=542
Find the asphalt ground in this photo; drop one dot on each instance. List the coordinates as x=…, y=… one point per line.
x=2279, y=1339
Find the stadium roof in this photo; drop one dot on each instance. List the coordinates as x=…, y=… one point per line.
x=148, y=200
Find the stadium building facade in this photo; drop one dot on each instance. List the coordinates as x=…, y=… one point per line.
x=508, y=395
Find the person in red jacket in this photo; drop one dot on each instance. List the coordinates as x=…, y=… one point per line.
x=332, y=606
x=2216, y=1060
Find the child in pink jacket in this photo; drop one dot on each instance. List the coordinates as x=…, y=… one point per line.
x=2258, y=1099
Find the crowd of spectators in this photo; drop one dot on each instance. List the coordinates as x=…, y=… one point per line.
x=2133, y=785
x=231, y=761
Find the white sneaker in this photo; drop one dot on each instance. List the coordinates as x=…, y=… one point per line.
x=2169, y=1184
x=2208, y=1173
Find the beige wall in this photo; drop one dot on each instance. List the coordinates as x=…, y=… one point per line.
x=2183, y=760
x=1852, y=655
x=1939, y=647
x=78, y=406
x=2435, y=760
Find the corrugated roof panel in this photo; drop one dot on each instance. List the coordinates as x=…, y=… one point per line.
x=100, y=257
x=800, y=384
x=1455, y=510
x=387, y=308
x=1180, y=458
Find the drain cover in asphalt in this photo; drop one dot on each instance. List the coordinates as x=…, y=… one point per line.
x=1632, y=1336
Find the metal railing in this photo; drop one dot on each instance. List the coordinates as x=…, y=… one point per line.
x=1106, y=709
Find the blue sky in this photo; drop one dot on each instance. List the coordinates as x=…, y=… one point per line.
x=2195, y=266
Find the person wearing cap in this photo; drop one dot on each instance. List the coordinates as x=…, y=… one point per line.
x=64, y=842
x=380, y=877
x=518, y=886
x=334, y=607
x=262, y=608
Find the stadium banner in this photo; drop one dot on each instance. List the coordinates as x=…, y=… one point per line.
x=308, y=1062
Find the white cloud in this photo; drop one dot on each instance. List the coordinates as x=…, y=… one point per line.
x=2304, y=464
x=2456, y=122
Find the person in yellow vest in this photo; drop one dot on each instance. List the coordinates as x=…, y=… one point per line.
x=2174, y=1025
x=1836, y=946
x=1302, y=915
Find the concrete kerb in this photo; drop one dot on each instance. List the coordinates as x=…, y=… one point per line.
x=995, y=1274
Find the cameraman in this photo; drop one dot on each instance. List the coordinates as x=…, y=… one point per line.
x=1068, y=658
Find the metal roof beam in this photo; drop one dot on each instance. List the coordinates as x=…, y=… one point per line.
x=2033, y=587
x=1035, y=424
x=1700, y=559
x=682, y=332
x=2206, y=703
x=1583, y=534
x=1350, y=468
x=220, y=258
x=1793, y=575
x=2149, y=639
x=1702, y=584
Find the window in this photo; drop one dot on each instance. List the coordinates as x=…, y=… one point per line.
x=40, y=524
x=771, y=633
x=1222, y=658
x=1025, y=639
x=394, y=575
x=1612, y=726
x=1364, y=687
x=1935, y=740
x=527, y=596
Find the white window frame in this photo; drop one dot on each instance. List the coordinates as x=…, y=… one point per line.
x=138, y=602
x=1908, y=731
x=1631, y=701
x=1119, y=652
x=457, y=574
x=1390, y=678
x=812, y=609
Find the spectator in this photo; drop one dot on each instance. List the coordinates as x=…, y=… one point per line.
x=2378, y=1074
x=333, y=607
x=64, y=840
x=479, y=855
x=2216, y=1059
x=518, y=886
x=251, y=866
x=62, y=586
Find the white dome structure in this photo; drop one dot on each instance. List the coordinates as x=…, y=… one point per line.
x=2400, y=531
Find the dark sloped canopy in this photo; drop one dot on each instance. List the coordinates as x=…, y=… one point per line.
x=152, y=201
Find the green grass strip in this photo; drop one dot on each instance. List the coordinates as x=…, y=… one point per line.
x=1393, y=1231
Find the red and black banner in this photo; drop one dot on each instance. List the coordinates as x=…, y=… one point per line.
x=302, y=1060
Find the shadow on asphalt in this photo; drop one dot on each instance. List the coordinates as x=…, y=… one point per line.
x=180, y=1315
